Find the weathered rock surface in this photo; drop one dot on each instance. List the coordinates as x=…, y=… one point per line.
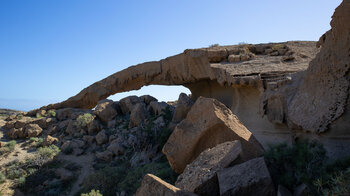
x=205, y=166
x=105, y=110
x=138, y=115
x=191, y=66
x=49, y=140
x=315, y=108
x=152, y=185
x=184, y=104
x=207, y=124
x=249, y=178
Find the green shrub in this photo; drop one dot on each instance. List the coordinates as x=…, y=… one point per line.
x=336, y=184
x=48, y=152
x=302, y=162
x=8, y=147
x=2, y=178
x=36, y=141
x=105, y=180
x=92, y=193
x=11, y=145
x=51, y=113
x=83, y=120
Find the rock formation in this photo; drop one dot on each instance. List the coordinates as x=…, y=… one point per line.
x=207, y=124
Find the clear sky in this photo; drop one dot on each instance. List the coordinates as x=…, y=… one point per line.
x=50, y=50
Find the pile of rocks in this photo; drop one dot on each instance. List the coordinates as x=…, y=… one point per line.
x=215, y=154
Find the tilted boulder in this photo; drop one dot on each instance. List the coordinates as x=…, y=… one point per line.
x=249, y=178
x=205, y=166
x=152, y=185
x=207, y=124
x=105, y=110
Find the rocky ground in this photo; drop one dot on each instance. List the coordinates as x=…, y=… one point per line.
x=71, y=151
x=144, y=147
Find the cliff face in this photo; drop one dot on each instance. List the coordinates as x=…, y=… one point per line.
x=274, y=89
x=323, y=93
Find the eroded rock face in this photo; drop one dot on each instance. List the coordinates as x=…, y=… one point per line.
x=207, y=124
x=248, y=178
x=324, y=90
x=152, y=185
x=183, y=105
x=205, y=166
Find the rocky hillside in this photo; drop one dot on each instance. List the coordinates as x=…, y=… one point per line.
x=265, y=119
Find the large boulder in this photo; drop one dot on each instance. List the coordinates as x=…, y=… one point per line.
x=94, y=127
x=138, y=115
x=207, y=124
x=49, y=140
x=205, y=166
x=147, y=99
x=152, y=185
x=157, y=108
x=105, y=110
x=69, y=113
x=44, y=122
x=183, y=105
x=127, y=104
x=249, y=178
x=32, y=130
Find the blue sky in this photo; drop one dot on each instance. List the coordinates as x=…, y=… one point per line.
x=50, y=50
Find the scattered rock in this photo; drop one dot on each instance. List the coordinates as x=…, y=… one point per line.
x=152, y=185
x=157, y=108
x=49, y=140
x=89, y=139
x=207, y=124
x=205, y=166
x=16, y=133
x=94, y=127
x=248, y=178
x=127, y=104
x=32, y=130
x=10, y=124
x=105, y=155
x=116, y=148
x=101, y=137
x=147, y=99
x=20, y=124
x=105, y=110
x=44, y=123
x=138, y=115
